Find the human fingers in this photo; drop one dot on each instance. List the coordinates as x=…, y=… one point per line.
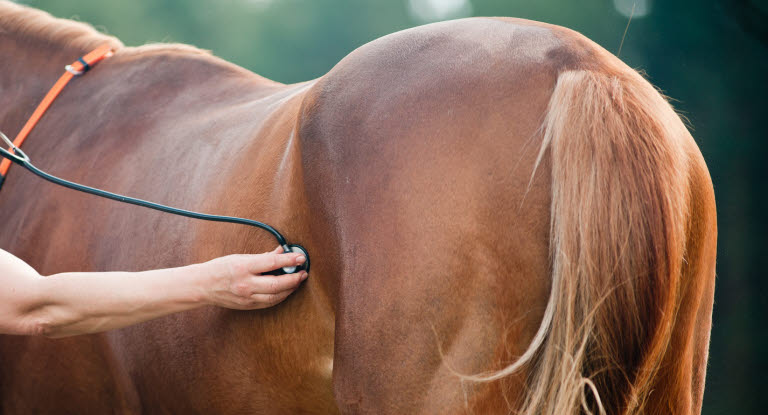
x=278, y=250
x=268, y=284
x=267, y=262
x=268, y=300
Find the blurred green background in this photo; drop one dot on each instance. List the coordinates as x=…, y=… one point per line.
x=711, y=57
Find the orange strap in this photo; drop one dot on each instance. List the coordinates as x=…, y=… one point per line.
x=77, y=67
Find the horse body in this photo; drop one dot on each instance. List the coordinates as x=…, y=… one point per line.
x=239, y=156
x=407, y=173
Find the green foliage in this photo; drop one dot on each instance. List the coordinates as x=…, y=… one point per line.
x=709, y=56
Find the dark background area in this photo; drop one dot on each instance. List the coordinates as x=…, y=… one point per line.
x=709, y=56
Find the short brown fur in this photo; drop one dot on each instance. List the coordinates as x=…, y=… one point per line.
x=407, y=172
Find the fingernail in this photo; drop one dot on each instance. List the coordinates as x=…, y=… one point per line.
x=300, y=259
x=304, y=276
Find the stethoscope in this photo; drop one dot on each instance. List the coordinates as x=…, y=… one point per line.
x=20, y=158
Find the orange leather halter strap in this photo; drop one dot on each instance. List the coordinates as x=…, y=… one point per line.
x=78, y=67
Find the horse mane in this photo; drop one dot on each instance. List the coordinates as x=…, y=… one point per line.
x=33, y=24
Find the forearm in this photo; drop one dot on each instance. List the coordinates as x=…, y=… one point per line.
x=79, y=303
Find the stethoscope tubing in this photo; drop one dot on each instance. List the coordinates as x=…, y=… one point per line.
x=20, y=158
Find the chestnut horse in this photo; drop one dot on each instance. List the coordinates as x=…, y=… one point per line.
x=501, y=215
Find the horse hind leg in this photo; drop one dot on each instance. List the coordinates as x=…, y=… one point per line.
x=443, y=246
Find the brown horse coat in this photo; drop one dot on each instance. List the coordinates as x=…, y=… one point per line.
x=407, y=173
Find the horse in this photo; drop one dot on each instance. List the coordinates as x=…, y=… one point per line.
x=502, y=217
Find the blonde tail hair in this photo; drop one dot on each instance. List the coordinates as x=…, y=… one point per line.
x=618, y=216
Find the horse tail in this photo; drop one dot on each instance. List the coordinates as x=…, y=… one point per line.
x=618, y=215
x=618, y=225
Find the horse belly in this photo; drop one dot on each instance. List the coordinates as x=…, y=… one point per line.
x=65, y=376
x=203, y=361
x=220, y=361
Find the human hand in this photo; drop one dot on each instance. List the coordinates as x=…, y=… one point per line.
x=236, y=281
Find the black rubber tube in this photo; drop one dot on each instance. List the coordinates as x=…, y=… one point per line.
x=21, y=159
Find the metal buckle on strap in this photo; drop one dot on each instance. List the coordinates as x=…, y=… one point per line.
x=71, y=69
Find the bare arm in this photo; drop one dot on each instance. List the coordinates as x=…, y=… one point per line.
x=78, y=303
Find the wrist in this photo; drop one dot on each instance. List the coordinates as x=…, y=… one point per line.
x=200, y=278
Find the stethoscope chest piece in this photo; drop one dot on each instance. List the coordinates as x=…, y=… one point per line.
x=298, y=249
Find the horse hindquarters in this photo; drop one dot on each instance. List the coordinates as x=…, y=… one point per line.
x=442, y=246
x=445, y=241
